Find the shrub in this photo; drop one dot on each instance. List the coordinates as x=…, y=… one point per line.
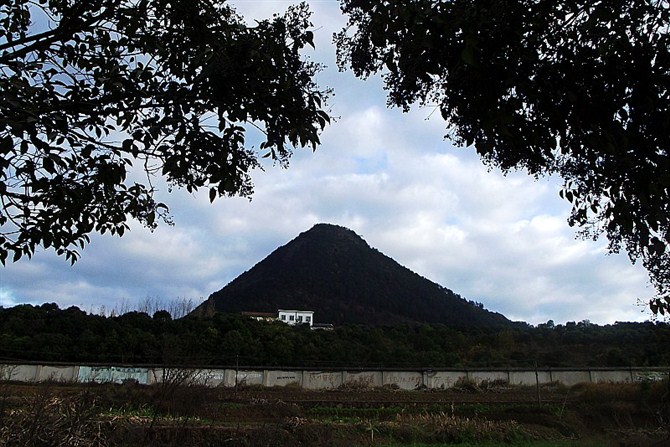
x=48, y=420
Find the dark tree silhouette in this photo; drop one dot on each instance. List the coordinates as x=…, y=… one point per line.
x=92, y=89
x=47, y=333
x=577, y=89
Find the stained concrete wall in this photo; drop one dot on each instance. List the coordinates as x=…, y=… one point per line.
x=244, y=377
x=57, y=373
x=517, y=377
x=319, y=379
x=113, y=374
x=322, y=380
x=602, y=376
x=570, y=378
x=215, y=377
x=441, y=379
x=362, y=379
x=39, y=373
x=646, y=375
x=187, y=376
x=282, y=378
x=19, y=373
x=405, y=380
x=488, y=376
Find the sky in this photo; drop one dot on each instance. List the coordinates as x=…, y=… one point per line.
x=391, y=177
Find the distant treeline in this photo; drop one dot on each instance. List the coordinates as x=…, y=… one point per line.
x=48, y=333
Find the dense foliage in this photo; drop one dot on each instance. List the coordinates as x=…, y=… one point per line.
x=99, y=96
x=578, y=89
x=47, y=333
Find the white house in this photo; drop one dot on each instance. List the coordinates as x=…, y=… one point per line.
x=294, y=317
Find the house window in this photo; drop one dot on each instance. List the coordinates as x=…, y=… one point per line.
x=308, y=319
x=283, y=317
x=299, y=319
x=290, y=317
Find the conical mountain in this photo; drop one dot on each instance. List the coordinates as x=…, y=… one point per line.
x=335, y=273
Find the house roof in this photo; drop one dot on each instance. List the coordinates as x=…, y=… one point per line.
x=292, y=310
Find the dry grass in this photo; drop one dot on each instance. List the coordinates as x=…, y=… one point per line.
x=187, y=413
x=49, y=420
x=446, y=428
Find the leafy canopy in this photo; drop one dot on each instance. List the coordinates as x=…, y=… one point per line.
x=578, y=89
x=96, y=94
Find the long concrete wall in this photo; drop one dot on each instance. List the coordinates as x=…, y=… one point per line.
x=313, y=379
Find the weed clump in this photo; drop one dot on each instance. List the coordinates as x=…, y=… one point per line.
x=465, y=384
x=446, y=428
x=45, y=419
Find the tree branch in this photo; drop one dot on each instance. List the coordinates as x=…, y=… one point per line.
x=62, y=32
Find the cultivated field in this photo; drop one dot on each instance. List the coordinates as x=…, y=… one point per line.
x=179, y=414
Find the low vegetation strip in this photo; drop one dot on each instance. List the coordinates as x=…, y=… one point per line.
x=47, y=333
x=177, y=414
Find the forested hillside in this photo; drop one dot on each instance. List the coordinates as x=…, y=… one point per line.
x=47, y=333
x=332, y=271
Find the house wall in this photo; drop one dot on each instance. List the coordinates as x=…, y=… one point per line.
x=293, y=317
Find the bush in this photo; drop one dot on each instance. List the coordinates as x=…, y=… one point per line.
x=54, y=421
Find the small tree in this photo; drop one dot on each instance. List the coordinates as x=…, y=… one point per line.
x=91, y=90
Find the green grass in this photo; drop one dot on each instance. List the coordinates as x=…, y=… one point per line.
x=583, y=443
